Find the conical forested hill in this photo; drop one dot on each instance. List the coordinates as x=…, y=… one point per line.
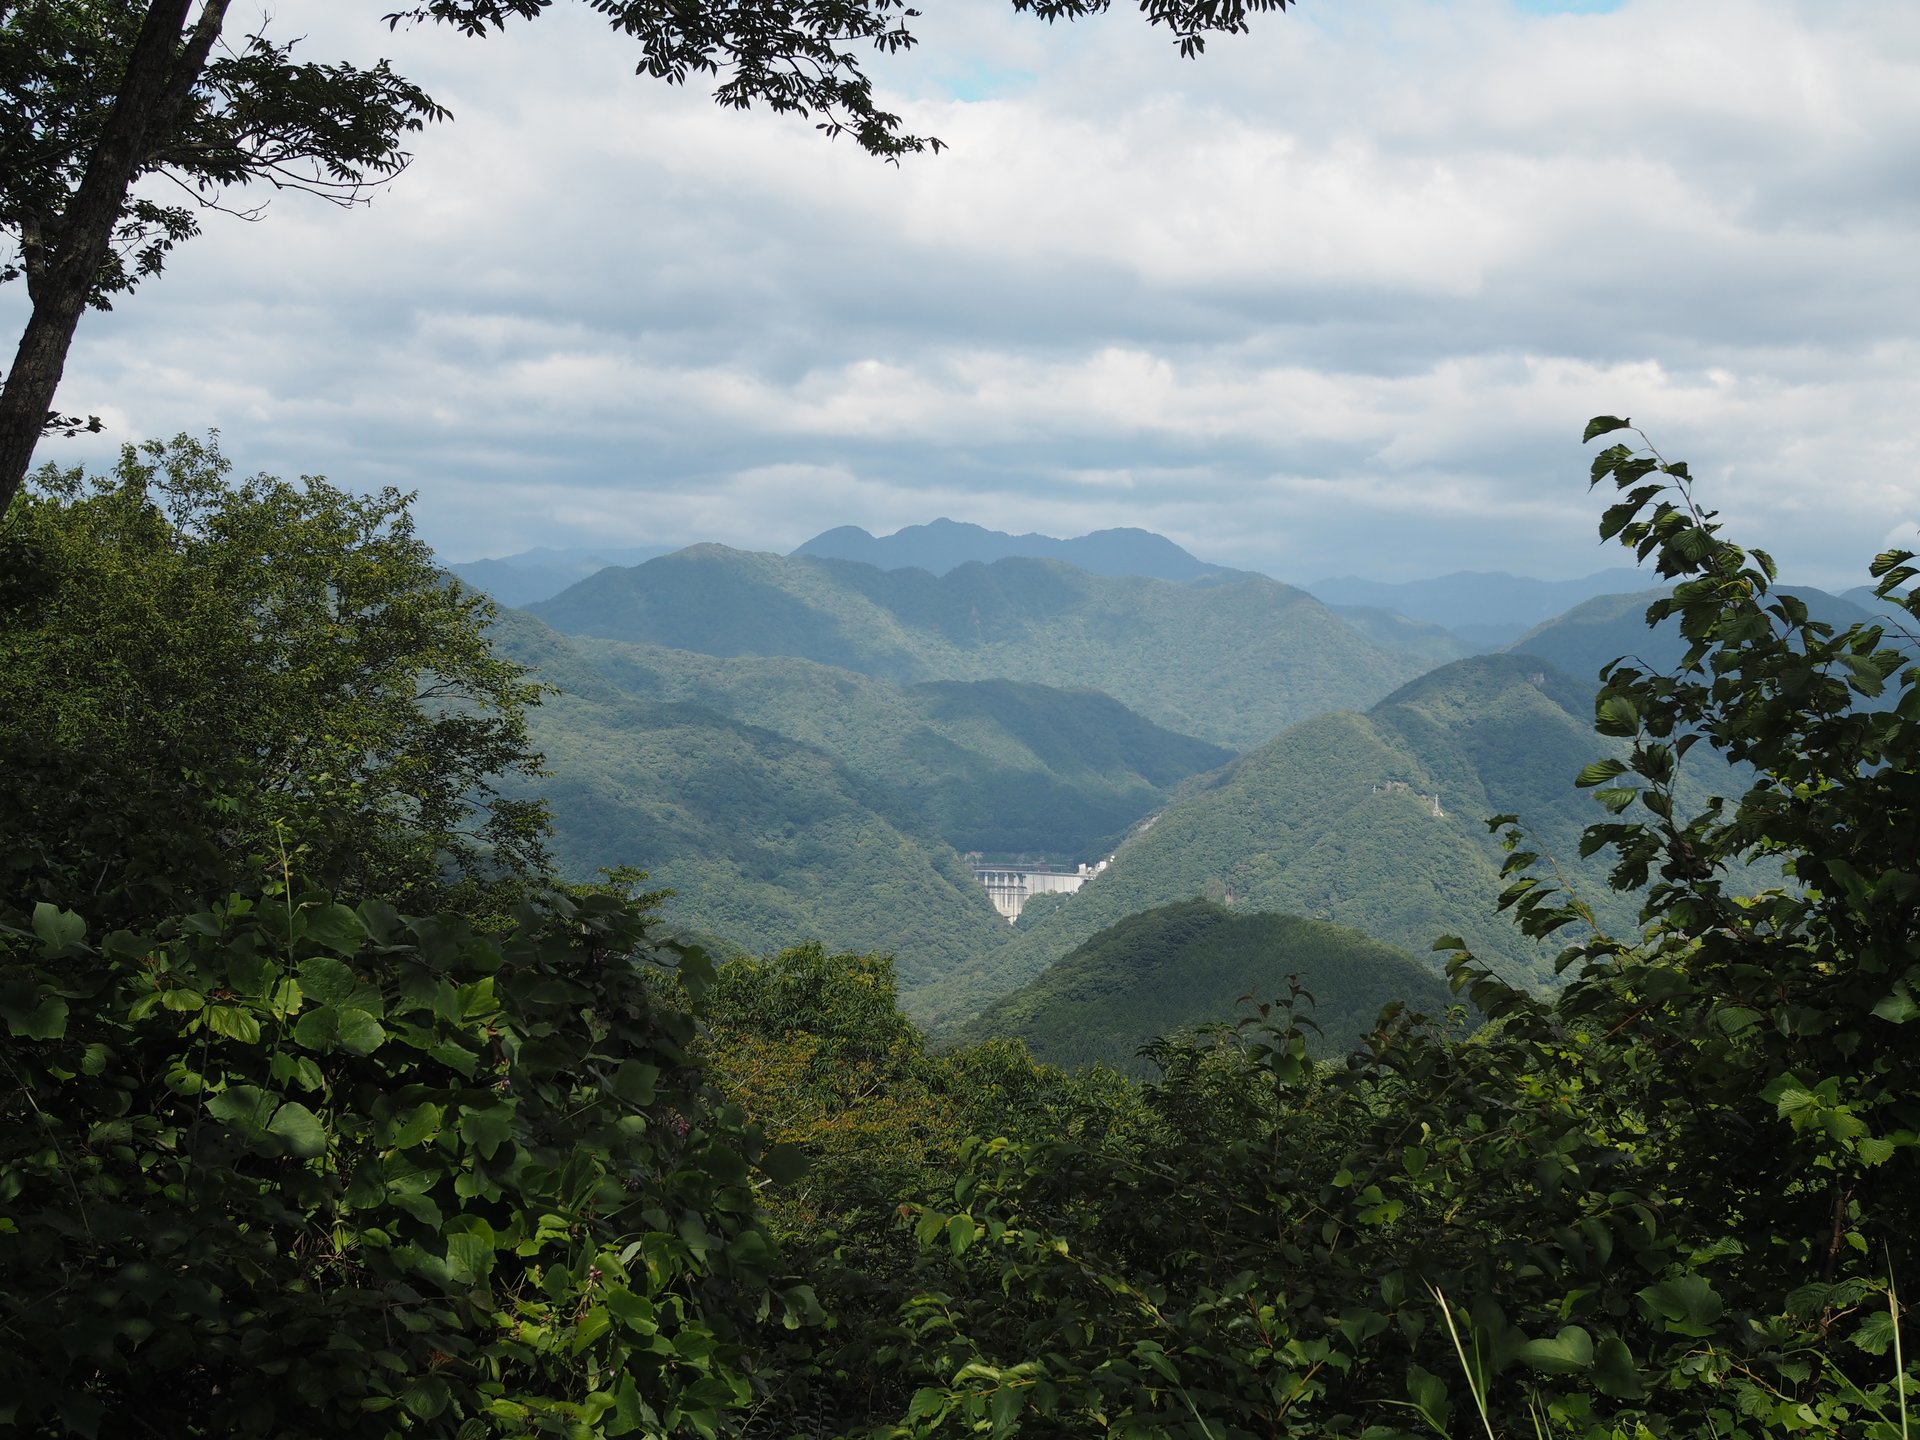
x=1233, y=662
x=1186, y=965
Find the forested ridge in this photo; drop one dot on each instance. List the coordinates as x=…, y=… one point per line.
x=331, y=1110
x=1232, y=662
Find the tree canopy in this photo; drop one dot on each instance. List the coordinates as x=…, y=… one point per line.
x=200, y=679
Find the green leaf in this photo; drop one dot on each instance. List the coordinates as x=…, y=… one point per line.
x=470, y=1257
x=234, y=1023
x=1687, y=1303
x=332, y=927
x=1614, y=1372
x=1428, y=1392
x=1568, y=1352
x=426, y=1396
x=783, y=1164
x=245, y=1107
x=317, y=1029
x=1605, y=425
x=634, y=1082
x=360, y=1033
x=331, y=982
x=1615, y=715
x=488, y=1128
x=1876, y=1333
x=300, y=1129
x=961, y=1233
x=34, y=1014
x=1898, y=1007
x=1598, y=773
x=58, y=929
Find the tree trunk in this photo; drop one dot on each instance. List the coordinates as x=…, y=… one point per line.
x=158, y=79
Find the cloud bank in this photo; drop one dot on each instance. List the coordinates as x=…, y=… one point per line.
x=1335, y=298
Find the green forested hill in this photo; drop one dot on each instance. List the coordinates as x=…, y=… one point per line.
x=1334, y=820
x=766, y=842
x=997, y=766
x=1232, y=662
x=1188, y=964
x=788, y=801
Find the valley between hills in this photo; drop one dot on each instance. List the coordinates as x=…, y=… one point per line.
x=821, y=747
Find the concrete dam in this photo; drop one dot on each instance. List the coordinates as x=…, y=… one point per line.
x=1010, y=888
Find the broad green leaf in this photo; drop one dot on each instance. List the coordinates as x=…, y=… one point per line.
x=360, y=1033
x=234, y=1023
x=33, y=1014
x=300, y=1129
x=470, y=1257
x=1604, y=425
x=334, y=983
x=317, y=1029
x=961, y=1233
x=245, y=1107
x=1598, y=773
x=1898, y=1007
x=487, y=1128
x=332, y=927
x=1687, y=1303
x=58, y=929
x=784, y=1164
x=1569, y=1351
x=426, y=1396
x=634, y=1082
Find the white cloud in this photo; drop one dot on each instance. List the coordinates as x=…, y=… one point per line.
x=1338, y=296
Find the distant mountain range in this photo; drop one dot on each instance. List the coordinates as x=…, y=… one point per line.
x=944, y=545
x=1232, y=663
x=1485, y=609
x=540, y=574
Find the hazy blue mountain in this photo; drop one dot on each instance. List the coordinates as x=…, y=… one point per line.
x=1181, y=966
x=1372, y=821
x=539, y=574
x=1613, y=626
x=944, y=544
x=1391, y=630
x=1231, y=663
x=998, y=766
x=1486, y=609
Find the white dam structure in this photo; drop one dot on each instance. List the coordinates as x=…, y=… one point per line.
x=1010, y=887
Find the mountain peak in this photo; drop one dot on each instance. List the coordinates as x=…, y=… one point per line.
x=945, y=544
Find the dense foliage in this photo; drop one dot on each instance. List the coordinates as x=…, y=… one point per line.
x=290, y=1167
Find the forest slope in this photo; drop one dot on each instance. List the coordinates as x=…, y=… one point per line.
x=1334, y=820
x=1184, y=965
x=786, y=801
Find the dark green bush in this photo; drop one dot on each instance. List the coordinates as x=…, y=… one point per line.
x=288, y=1167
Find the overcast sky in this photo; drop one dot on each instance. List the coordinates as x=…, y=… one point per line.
x=1336, y=298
